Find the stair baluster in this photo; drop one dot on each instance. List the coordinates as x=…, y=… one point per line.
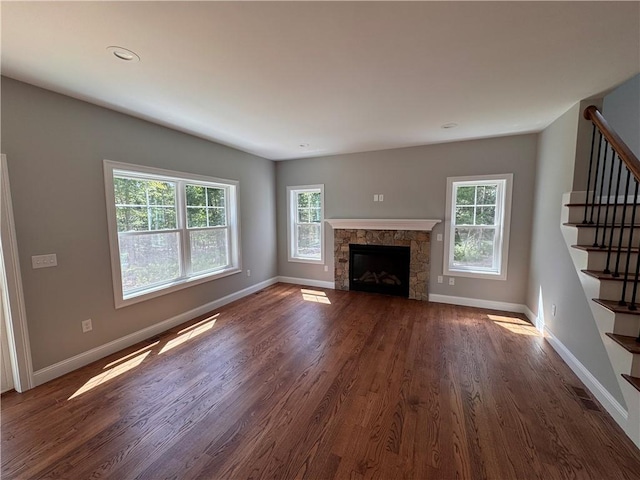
x=595, y=184
x=625, y=280
x=615, y=210
x=586, y=203
x=602, y=177
x=608, y=195
x=634, y=291
x=616, y=271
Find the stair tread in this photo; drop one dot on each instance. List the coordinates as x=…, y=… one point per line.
x=594, y=225
x=591, y=248
x=635, y=381
x=600, y=275
x=629, y=204
x=628, y=343
x=615, y=307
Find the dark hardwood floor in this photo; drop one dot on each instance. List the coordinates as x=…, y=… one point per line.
x=284, y=384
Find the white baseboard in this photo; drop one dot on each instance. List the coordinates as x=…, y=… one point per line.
x=613, y=407
x=65, y=366
x=307, y=282
x=476, y=302
x=533, y=318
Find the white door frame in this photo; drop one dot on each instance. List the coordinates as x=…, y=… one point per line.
x=6, y=370
x=13, y=296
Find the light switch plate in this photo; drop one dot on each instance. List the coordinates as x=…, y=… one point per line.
x=44, y=261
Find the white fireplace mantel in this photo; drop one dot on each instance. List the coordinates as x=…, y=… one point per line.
x=381, y=224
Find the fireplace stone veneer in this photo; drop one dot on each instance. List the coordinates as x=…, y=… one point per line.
x=418, y=241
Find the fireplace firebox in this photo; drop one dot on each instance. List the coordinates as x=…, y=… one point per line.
x=379, y=269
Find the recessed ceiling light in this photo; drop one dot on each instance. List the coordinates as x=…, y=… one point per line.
x=124, y=54
x=449, y=125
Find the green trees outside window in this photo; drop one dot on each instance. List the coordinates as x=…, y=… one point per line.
x=475, y=225
x=308, y=224
x=147, y=208
x=206, y=209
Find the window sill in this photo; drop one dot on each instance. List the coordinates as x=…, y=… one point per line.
x=306, y=260
x=475, y=274
x=173, y=287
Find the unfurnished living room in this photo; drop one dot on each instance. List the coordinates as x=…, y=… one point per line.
x=320, y=240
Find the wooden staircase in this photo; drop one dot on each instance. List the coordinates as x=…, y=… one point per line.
x=601, y=227
x=619, y=325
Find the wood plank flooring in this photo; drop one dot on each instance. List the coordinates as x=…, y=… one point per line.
x=285, y=385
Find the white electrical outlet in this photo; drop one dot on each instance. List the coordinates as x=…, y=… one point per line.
x=248, y=272
x=375, y=197
x=326, y=268
x=553, y=310
x=452, y=281
x=439, y=237
x=86, y=326
x=381, y=197
x=440, y=279
x=44, y=261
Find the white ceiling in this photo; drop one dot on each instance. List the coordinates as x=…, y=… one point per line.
x=266, y=77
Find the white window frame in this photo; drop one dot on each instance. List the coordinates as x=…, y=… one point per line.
x=186, y=279
x=292, y=221
x=503, y=216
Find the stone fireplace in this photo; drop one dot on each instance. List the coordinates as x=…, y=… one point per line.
x=415, y=234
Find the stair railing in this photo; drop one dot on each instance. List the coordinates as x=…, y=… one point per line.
x=615, y=165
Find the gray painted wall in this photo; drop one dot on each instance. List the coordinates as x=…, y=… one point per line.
x=55, y=146
x=621, y=108
x=552, y=276
x=413, y=181
x=583, y=140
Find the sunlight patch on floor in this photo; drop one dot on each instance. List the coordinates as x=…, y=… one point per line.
x=314, y=296
x=137, y=352
x=515, y=325
x=111, y=373
x=190, y=332
x=197, y=324
x=132, y=360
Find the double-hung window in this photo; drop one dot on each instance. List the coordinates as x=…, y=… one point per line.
x=306, y=223
x=477, y=226
x=168, y=230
